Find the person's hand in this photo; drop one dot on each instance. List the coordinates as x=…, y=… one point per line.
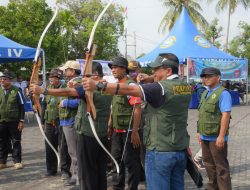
x=70, y=84
x=144, y=78
x=135, y=139
x=35, y=89
x=220, y=142
x=199, y=138
x=141, y=77
x=89, y=84
x=110, y=132
x=20, y=125
x=189, y=151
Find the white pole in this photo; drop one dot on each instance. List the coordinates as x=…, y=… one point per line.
x=44, y=70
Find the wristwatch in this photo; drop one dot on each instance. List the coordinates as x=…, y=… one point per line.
x=99, y=86
x=104, y=86
x=45, y=92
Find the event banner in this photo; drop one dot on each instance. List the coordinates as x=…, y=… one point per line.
x=230, y=69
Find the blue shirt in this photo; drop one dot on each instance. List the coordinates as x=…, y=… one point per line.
x=69, y=103
x=225, y=105
x=80, y=91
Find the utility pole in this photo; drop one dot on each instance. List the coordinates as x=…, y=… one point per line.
x=126, y=43
x=135, y=44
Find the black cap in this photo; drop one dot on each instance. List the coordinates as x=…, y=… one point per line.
x=120, y=62
x=56, y=73
x=210, y=71
x=160, y=61
x=8, y=74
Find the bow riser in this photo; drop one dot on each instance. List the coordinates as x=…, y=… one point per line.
x=88, y=71
x=34, y=80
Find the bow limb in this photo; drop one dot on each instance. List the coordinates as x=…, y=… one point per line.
x=99, y=141
x=91, y=38
x=34, y=80
x=89, y=95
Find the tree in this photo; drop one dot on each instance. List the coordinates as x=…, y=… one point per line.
x=83, y=16
x=240, y=45
x=232, y=5
x=24, y=21
x=175, y=8
x=213, y=32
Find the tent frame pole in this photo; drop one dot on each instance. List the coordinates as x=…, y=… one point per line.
x=188, y=70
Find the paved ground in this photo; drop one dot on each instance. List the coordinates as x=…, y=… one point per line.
x=32, y=176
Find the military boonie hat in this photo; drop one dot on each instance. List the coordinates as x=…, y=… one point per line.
x=120, y=62
x=8, y=74
x=133, y=65
x=162, y=61
x=56, y=73
x=210, y=71
x=71, y=65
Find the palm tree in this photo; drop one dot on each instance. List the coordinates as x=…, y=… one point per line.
x=232, y=5
x=175, y=8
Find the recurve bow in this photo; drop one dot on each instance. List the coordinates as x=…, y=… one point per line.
x=87, y=70
x=34, y=80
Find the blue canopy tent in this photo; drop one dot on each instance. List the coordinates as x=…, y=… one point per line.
x=188, y=44
x=11, y=51
x=185, y=41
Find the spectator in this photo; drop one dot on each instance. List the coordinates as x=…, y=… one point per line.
x=11, y=120
x=134, y=69
x=20, y=83
x=213, y=123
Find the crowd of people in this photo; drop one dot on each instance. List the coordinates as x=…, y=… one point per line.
x=143, y=118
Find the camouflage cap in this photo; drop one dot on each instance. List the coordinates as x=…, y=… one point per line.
x=56, y=73
x=8, y=74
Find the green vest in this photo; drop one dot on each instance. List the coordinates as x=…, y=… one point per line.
x=209, y=113
x=9, y=110
x=166, y=126
x=66, y=113
x=102, y=104
x=121, y=110
x=52, y=109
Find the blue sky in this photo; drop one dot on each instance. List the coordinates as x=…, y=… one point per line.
x=144, y=17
